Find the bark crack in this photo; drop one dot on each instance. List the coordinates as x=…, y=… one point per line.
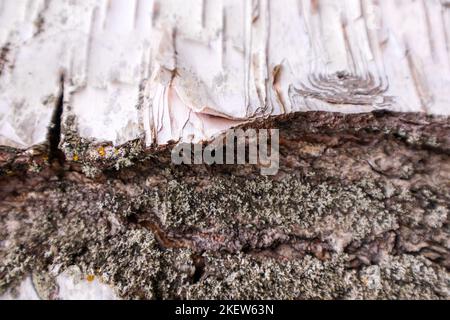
x=54, y=130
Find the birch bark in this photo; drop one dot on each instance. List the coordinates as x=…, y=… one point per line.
x=169, y=70
x=94, y=93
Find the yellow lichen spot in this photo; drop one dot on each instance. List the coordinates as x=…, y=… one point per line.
x=75, y=157
x=90, y=278
x=116, y=151
x=45, y=158
x=101, y=151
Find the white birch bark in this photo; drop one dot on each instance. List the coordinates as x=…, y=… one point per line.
x=188, y=69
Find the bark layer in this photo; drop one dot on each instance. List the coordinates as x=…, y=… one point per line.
x=146, y=68
x=359, y=209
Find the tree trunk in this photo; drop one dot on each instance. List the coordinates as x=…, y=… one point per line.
x=94, y=96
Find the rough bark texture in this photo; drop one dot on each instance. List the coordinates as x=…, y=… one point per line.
x=359, y=209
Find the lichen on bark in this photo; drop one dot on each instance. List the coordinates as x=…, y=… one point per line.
x=358, y=209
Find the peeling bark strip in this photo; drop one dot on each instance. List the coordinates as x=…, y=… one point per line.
x=359, y=209
x=145, y=68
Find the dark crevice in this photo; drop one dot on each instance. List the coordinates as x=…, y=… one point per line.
x=54, y=130
x=156, y=284
x=4, y=51
x=199, y=265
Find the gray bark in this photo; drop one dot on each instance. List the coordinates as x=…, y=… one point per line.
x=359, y=209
